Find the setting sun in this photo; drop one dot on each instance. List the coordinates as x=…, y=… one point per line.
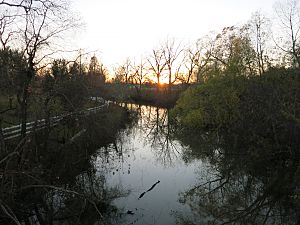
x=149, y=112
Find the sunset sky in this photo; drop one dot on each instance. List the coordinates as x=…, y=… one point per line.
x=131, y=28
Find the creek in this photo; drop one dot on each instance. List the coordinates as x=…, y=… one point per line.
x=149, y=164
x=130, y=165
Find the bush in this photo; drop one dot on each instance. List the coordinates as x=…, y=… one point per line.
x=213, y=104
x=224, y=101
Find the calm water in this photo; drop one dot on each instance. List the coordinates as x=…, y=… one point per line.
x=148, y=154
x=210, y=182
x=121, y=168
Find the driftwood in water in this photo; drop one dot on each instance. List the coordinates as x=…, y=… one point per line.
x=150, y=189
x=141, y=195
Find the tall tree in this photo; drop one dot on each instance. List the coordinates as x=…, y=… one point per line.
x=97, y=69
x=7, y=31
x=233, y=51
x=260, y=29
x=288, y=13
x=123, y=72
x=12, y=70
x=157, y=64
x=41, y=23
x=191, y=59
x=60, y=69
x=94, y=66
x=96, y=75
x=197, y=60
x=139, y=73
x=171, y=52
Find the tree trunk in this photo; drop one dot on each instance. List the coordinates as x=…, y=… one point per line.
x=2, y=144
x=24, y=105
x=158, y=83
x=170, y=81
x=25, y=96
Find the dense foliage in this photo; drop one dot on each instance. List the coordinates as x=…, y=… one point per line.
x=248, y=129
x=272, y=98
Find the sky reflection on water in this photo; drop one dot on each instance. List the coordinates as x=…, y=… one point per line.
x=148, y=154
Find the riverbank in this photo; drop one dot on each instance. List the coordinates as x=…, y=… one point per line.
x=50, y=175
x=150, y=95
x=248, y=129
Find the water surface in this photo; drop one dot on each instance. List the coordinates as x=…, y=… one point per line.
x=133, y=167
x=209, y=177
x=149, y=155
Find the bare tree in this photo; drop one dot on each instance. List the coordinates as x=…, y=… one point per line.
x=139, y=73
x=118, y=74
x=259, y=25
x=191, y=59
x=288, y=13
x=204, y=65
x=18, y=4
x=157, y=64
x=42, y=22
x=171, y=51
x=123, y=72
x=197, y=59
x=6, y=31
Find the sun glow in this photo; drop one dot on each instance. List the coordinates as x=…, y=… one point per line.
x=121, y=29
x=162, y=81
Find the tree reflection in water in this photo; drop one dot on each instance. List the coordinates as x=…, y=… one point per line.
x=158, y=133
x=50, y=178
x=253, y=178
x=157, y=174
